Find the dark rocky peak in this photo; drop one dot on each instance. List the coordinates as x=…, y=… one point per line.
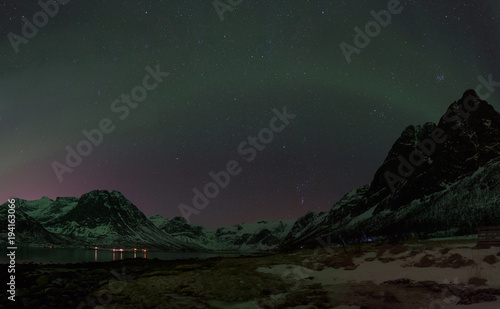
x=430, y=156
x=468, y=112
x=103, y=198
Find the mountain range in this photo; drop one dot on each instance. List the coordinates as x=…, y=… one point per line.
x=437, y=180
x=107, y=219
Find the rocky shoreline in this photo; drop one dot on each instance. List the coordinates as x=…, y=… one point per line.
x=377, y=276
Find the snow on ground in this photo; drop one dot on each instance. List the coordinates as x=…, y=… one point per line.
x=379, y=272
x=434, y=274
x=378, y=268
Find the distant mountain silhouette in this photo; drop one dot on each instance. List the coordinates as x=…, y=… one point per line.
x=260, y=235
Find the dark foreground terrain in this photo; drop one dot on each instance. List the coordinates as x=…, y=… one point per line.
x=417, y=274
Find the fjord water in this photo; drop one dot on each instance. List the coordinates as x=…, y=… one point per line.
x=71, y=255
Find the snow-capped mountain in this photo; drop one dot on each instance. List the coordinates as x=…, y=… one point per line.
x=45, y=210
x=28, y=230
x=108, y=219
x=261, y=235
x=101, y=218
x=437, y=180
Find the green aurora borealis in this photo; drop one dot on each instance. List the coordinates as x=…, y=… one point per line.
x=225, y=79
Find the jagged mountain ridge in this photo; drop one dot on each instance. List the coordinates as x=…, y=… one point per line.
x=28, y=230
x=47, y=210
x=261, y=235
x=108, y=219
x=434, y=198
x=101, y=218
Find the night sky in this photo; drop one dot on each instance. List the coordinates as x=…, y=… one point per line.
x=225, y=77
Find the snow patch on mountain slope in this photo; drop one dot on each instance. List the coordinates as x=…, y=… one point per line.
x=260, y=235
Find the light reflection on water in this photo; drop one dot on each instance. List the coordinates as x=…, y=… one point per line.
x=67, y=255
x=120, y=257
